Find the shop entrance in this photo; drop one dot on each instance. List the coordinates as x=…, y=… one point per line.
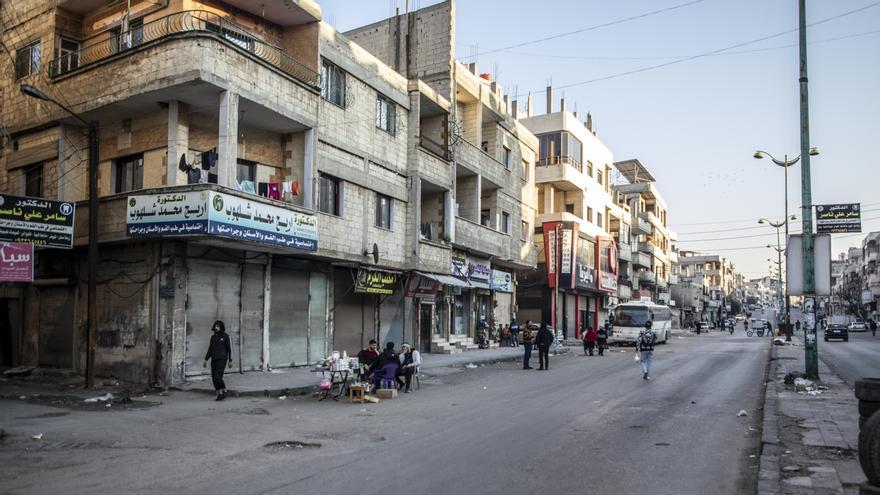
x=56, y=326
x=9, y=333
x=426, y=318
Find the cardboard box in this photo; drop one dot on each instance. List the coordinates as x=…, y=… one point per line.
x=386, y=393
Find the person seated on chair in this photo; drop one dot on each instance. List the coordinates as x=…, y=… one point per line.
x=368, y=357
x=410, y=360
x=388, y=356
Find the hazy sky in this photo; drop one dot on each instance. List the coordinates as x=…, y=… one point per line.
x=696, y=123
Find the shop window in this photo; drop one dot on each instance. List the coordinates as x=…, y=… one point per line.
x=505, y=222
x=329, y=197
x=385, y=114
x=332, y=83
x=129, y=173
x=33, y=181
x=27, y=60
x=383, y=211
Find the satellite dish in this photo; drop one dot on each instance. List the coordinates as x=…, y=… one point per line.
x=375, y=253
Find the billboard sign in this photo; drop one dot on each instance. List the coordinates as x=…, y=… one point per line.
x=37, y=221
x=16, y=262
x=794, y=265
x=837, y=219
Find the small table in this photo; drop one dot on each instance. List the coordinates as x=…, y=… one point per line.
x=356, y=393
x=338, y=378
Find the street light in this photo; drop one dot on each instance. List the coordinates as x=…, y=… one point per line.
x=783, y=305
x=91, y=326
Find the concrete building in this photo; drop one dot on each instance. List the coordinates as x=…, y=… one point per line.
x=472, y=170
x=871, y=274
x=257, y=167
x=717, y=276
x=651, y=246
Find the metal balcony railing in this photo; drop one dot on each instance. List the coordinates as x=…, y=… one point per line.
x=560, y=160
x=188, y=21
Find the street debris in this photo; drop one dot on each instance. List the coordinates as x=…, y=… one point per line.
x=484, y=388
x=790, y=469
x=18, y=371
x=470, y=366
x=38, y=436
x=282, y=397
x=807, y=387
x=102, y=398
x=291, y=445
x=741, y=413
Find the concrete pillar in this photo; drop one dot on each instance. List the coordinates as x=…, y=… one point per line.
x=308, y=180
x=479, y=199
x=449, y=214
x=178, y=142
x=267, y=310
x=478, y=116
x=549, y=200
x=227, y=140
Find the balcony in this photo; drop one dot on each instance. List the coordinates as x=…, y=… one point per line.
x=624, y=292
x=647, y=278
x=874, y=281
x=197, y=22
x=485, y=240
x=641, y=227
x=477, y=161
x=653, y=219
x=641, y=260
x=662, y=283
x=624, y=252
x=563, y=172
x=439, y=150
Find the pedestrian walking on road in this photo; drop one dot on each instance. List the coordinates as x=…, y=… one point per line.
x=543, y=340
x=514, y=332
x=590, y=338
x=797, y=325
x=873, y=325
x=527, y=344
x=645, y=347
x=601, y=340
x=219, y=353
x=769, y=329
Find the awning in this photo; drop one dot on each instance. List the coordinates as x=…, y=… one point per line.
x=479, y=285
x=445, y=279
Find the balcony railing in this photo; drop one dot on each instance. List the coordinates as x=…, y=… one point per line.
x=189, y=21
x=647, y=278
x=434, y=147
x=560, y=160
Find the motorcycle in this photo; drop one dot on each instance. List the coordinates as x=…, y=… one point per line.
x=730, y=328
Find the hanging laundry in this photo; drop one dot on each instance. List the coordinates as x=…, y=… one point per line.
x=274, y=190
x=209, y=159
x=248, y=186
x=203, y=176
x=295, y=187
x=263, y=189
x=182, y=165
x=193, y=175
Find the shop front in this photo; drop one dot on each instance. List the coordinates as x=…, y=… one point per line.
x=606, y=254
x=502, y=290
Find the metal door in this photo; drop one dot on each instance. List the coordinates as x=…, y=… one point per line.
x=252, y=296
x=317, y=316
x=56, y=326
x=289, y=318
x=426, y=317
x=213, y=293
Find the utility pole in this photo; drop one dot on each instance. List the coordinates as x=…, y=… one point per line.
x=811, y=347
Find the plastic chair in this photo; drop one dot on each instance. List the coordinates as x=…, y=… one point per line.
x=415, y=378
x=388, y=377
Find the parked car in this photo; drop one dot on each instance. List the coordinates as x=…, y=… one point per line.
x=836, y=331
x=858, y=325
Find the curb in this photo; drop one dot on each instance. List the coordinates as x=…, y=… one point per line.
x=769, y=481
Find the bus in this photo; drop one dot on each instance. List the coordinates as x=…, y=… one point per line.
x=630, y=318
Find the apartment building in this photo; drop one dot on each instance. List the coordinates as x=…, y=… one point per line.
x=578, y=227
x=471, y=166
x=871, y=273
x=715, y=274
x=652, y=252
x=257, y=167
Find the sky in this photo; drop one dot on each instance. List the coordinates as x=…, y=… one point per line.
x=695, y=122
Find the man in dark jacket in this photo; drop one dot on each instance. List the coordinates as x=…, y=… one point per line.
x=543, y=340
x=220, y=353
x=645, y=347
x=388, y=356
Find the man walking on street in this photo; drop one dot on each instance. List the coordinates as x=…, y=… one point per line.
x=645, y=348
x=219, y=352
x=526, y=344
x=544, y=339
x=873, y=325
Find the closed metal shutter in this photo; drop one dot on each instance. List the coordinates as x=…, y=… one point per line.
x=56, y=326
x=502, y=308
x=289, y=318
x=318, y=317
x=212, y=294
x=252, y=316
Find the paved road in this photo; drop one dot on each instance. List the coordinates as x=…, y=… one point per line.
x=588, y=425
x=858, y=358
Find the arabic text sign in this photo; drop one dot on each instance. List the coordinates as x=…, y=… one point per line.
x=375, y=282
x=502, y=281
x=167, y=214
x=16, y=262
x=250, y=220
x=835, y=219
x=36, y=221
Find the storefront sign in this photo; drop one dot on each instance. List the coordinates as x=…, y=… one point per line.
x=249, y=220
x=550, y=252
x=606, y=252
x=479, y=270
x=225, y=215
x=16, y=262
x=586, y=276
x=837, y=219
x=376, y=282
x=37, y=221
x=565, y=264
x=502, y=281
x=867, y=296
x=459, y=266
x=422, y=287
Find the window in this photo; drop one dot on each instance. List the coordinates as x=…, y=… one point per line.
x=329, y=200
x=385, y=114
x=599, y=221
x=485, y=218
x=485, y=146
x=246, y=170
x=524, y=233
x=332, y=83
x=599, y=177
x=505, y=222
x=130, y=173
x=27, y=60
x=560, y=148
x=589, y=168
x=505, y=157
x=66, y=56
x=33, y=181
x=383, y=212
x=589, y=217
x=569, y=208
x=525, y=170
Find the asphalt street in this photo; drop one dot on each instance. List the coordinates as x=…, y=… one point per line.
x=858, y=358
x=587, y=425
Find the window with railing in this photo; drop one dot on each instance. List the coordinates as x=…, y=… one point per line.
x=66, y=56
x=559, y=148
x=332, y=83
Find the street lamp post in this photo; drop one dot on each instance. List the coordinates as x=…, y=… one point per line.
x=91, y=325
x=783, y=305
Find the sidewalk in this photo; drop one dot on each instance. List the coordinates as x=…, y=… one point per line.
x=810, y=437
x=297, y=381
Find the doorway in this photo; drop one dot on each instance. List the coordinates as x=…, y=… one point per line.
x=10, y=354
x=426, y=317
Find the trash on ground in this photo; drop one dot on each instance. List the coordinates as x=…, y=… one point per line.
x=470, y=365
x=803, y=385
x=282, y=397
x=38, y=436
x=790, y=469
x=102, y=398
x=741, y=413
x=18, y=371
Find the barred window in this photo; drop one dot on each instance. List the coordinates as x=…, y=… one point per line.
x=385, y=114
x=332, y=83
